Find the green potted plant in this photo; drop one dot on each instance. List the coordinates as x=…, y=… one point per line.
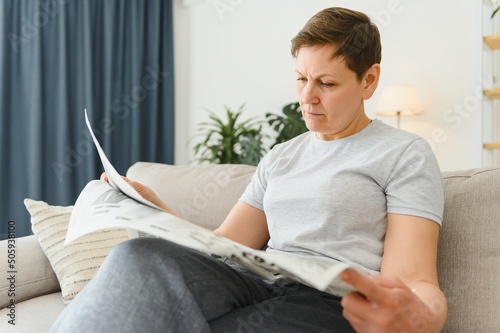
x=495, y=12
x=230, y=141
x=288, y=125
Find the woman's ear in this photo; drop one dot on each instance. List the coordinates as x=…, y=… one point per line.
x=370, y=81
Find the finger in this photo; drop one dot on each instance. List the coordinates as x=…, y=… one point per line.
x=389, y=282
x=364, y=284
x=354, y=300
x=131, y=182
x=354, y=319
x=104, y=177
x=358, y=310
x=139, y=187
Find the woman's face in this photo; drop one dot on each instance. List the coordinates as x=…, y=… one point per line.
x=330, y=94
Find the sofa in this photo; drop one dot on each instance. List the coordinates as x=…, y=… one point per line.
x=468, y=254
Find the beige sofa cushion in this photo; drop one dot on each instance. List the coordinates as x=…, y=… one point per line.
x=75, y=264
x=469, y=250
x=35, y=315
x=211, y=186
x=34, y=277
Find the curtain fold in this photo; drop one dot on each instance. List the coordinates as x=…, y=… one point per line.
x=57, y=57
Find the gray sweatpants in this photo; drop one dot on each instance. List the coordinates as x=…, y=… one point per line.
x=152, y=285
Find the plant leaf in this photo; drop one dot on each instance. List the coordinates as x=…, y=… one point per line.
x=495, y=11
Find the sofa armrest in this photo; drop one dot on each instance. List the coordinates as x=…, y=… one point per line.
x=32, y=274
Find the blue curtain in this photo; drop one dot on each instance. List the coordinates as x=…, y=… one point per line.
x=57, y=57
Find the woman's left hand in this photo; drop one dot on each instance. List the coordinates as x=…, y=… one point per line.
x=384, y=304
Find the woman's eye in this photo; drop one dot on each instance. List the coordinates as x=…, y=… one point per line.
x=301, y=79
x=326, y=84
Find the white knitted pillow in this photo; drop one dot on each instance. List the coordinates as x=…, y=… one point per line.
x=76, y=263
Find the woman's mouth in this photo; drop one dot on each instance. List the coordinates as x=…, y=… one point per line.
x=312, y=113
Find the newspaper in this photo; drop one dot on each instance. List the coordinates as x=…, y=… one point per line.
x=102, y=205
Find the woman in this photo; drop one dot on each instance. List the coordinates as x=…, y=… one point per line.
x=351, y=189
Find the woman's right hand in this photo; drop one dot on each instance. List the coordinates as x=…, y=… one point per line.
x=146, y=192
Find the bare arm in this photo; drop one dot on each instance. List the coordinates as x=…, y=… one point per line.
x=245, y=224
x=410, y=253
x=406, y=296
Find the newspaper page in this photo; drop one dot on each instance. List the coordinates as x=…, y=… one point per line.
x=117, y=205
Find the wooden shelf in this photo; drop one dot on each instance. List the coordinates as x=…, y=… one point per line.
x=490, y=48
x=493, y=93
x=492, y=145
x=493, y=41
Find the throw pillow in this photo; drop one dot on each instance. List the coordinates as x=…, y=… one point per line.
x=75, y=264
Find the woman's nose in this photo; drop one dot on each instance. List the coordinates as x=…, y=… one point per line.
x=308, y=95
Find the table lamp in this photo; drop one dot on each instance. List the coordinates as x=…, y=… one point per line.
x=399, y=100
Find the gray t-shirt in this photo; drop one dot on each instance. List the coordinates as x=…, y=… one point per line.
x=331, y=198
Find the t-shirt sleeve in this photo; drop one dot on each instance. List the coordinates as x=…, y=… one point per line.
x=255, y=190
x=415, y=186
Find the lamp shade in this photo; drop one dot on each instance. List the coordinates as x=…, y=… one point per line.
x=400, y=100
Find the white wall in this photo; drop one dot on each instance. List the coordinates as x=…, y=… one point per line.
x=230, y=52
